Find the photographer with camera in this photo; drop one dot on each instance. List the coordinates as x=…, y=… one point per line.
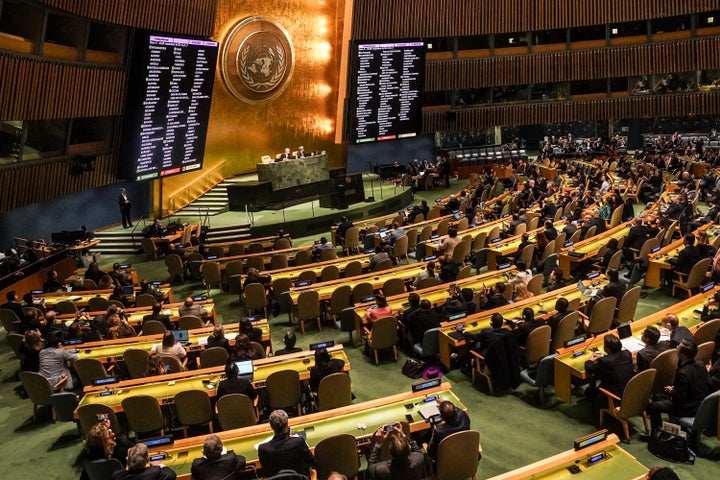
x=407, y=459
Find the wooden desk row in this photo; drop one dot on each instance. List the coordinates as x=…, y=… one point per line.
x=571, y=362
x=81, y=299
x=660, y=260
x=436, y=295
x=165, y=387
x=135, y=314
x=317, y=426
x=109, y=351
x=78, y=278
x=543, y=306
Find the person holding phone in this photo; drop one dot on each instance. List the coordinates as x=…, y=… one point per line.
x=407, y=459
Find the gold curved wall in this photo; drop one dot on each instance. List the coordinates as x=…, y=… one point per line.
x=304, y=114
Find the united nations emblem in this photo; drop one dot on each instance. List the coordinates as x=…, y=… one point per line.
x=257, y=60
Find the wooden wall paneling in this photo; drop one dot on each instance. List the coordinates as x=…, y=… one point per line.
x=195, y=17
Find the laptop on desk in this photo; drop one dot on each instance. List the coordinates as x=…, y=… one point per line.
x=181, y=336
x=588, y=292
x=245, y=369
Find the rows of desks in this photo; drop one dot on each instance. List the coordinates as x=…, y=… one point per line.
x=109, y=351
x=451, y=341
x=165, y=387
x=135, y=315
x=81, y=299
x=317, y=426
x=570, y=363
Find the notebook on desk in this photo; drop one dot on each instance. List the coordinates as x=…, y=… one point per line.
x=430, y=412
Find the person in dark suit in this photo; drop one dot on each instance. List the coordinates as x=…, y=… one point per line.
x=284, y=451
x=678, y=333
x=422, y=321
x=562, y=310
x=653, y=348
x=124, y=203
x=501, y=352
x=613, y=370
x=215, y=464
x=217, y=339
x=324, y=365
x=289, y=340
x=529, y=323
x=453, y=420
x=158, y=316
x=286, y=155
x=616, y=288
x=494, y=298
x=448, y=270
x=235, y=384
x=691, y=386
x=301, y=152
x=407, y=460
x=688, y=256
x=138, y=469
x=13, y=304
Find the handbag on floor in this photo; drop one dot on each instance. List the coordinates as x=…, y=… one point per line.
x=413, y=368
x=670, y=447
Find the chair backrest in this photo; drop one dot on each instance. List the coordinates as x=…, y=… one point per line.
x=236, y=249
x=255, y=247
x=308, y=305
x=533, y=223
x=216, y=250
x=442, y=227
x=352, y=269
x=400, y=249
x=145, y=300
x=706, y=415
x=88, y=416
x=547, y=251
x=66, y=307
x=153, y=327
x=478, y=242
x=384, y=332
x=575, y=237
x=535, y=284
x=211, y=273
x=412, y=235
x=149, y=247
x=89, y=369
x=428, y=282
x=143, y=414
x=307, y=276
x=520, y=229
x=64, y=404
x=255, y=262
x=494, y=232
x=303, y=257
x=213, y=357
x=601, y=316
x=236, y=410
x=362, y=290
x=707, y=332
x=337, y=453
x=590, y=232
x=614, y=263
x=649, y=244
x=347, y=319
x=334, y=391
x=545, y=372
x=352, y=237
x=697, y=274
x=189, y=322
x=14, y=340
x=560, y=241
x=384, y=265
x=637, y=394
x=37, y=387
x=665, y=366
x=278, y=261
x=565, y=330
x=430, y=343
x=393, y=286
x=426, y=232
x=255, y=296
x=329, y=272
x=258, y=349
x=136, y=361
x=172, y=364
x=103, y=468
x=538, y=344
x=527, y=254
x=281, y=284
x=193, y=407
x=465, y=272
x=281, y=243
x=9, y=319
x=616, y=217
x=705, y=352
x=234, y=267
x=628, y=305
x=328, y=254
x=549, y=264
x=283, y=389
x=98, y=304
x=457, y=456
x=340, y=299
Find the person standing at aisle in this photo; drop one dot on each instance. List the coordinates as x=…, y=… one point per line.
x=124, y=203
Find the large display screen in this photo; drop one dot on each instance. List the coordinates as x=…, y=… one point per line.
x=168, y=104
x=387, y=90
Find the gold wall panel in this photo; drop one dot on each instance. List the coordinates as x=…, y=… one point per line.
x=303, y=114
